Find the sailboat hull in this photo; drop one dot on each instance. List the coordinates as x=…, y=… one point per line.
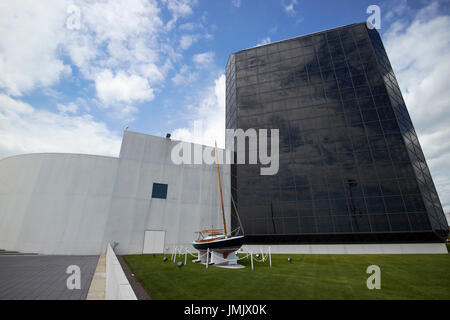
x=228, y=244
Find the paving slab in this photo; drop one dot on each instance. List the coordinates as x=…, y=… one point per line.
x=44, y=277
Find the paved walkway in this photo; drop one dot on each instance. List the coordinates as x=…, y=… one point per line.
x=97, y=290
x=43, y=277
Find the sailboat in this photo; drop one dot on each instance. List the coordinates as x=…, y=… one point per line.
x=217, y=242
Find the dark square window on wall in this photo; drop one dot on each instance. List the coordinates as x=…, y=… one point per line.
x=159, y=191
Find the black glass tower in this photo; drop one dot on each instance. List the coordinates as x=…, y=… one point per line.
x=351, y=167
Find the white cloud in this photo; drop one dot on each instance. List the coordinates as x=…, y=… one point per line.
x=264, y=41
x=24, y=129
x=126, y=36
x=184, y=76
x=9, y=106
x=128, y=30
x=123, y=36
x=29, y=40
x=122, y=88
x=289, y=6
x=203, y=60
x=236, y=3
x=187, y=41
x=420, y=55
x=189, y=26
x=395, y=10
x=210, y=113
x=179, y=9
x=153, y=73
x=122, y=47
x=67, y=108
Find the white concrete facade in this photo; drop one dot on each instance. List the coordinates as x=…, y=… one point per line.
x=77, y=204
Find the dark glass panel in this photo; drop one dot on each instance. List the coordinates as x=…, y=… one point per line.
x=334, y=128
x=259, y=226
x=375, y=205
x=399, y=154
x=371, y=189
x=399, y=222
x=336, y=190
x=386, y=113
x=409, y=186
x=394, y=204
x=291, y=225
x=304, y=192
x=379, y=223
x=339, y=207
x=307, y=225
x=366, y=103
x=419, y=221
x=360, y=223
x=342, y=224
x=324, y=224
x=321, y=207
x=390, y=126
x=305, y=208
x=373, y=128
x=414, y=203
x=370, y=115
x=390, y=187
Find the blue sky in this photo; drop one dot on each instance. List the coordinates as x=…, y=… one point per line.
x=73, y=74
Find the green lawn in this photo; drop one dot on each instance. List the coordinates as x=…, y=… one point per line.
x=307, y=277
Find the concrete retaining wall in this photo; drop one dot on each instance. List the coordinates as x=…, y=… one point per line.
x=117, y=285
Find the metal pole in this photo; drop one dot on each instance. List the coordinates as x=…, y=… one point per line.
x=251, y=258
x=270, y=257
x=221, y=197
x=185, y=256
x=207, y=258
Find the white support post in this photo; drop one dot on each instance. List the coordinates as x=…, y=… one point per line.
x=270, y=258
x=251, y=258
x=207, y=258
x=185, y=256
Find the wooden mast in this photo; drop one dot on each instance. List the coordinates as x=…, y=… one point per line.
x=221, y=197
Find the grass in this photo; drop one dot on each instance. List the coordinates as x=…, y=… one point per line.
x=307, y=277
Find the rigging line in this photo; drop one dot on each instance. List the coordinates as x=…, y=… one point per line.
x=237, y=213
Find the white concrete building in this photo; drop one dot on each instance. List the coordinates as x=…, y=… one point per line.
x=76, y=204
